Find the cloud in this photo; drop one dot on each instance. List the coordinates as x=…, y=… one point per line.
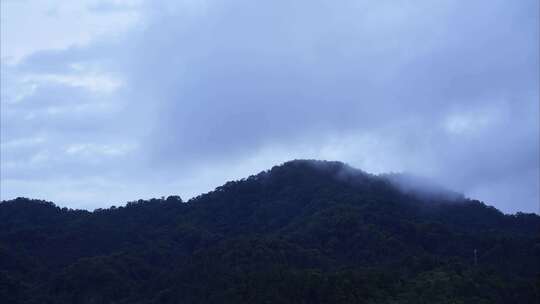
x=32, y=26
x=210, y=90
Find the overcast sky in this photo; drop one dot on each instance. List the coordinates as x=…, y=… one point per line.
x=103, y=102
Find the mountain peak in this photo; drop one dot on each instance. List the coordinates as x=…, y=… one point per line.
x=286, y=233
x=407, y=183
x=323, y=165
x=335, y=169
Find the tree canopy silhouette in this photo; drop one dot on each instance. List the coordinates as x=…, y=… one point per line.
x=302, y=232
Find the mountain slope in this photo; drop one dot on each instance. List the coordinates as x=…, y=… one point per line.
x=302, y=232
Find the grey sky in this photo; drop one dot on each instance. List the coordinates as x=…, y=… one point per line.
x=108, y=101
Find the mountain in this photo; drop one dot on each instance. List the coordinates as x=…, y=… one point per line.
x=303, y=232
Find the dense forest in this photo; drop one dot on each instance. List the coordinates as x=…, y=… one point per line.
x=302, y=232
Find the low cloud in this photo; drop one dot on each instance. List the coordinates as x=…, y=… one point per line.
x=209, y=91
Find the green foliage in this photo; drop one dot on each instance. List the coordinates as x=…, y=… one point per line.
x=303, y=232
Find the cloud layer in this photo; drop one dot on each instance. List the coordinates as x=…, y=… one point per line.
x=181, y=97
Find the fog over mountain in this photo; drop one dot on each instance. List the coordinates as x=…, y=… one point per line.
x=422, y=187
x=107, y=101
x=301, y=232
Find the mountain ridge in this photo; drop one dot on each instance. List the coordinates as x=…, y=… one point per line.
x=339, y=170
x=304, y=231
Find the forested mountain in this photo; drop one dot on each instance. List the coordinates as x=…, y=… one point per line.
x=302, y=232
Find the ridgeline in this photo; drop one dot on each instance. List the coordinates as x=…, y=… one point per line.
x=302, y=232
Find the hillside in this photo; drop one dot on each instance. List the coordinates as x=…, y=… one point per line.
x=302, y=232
